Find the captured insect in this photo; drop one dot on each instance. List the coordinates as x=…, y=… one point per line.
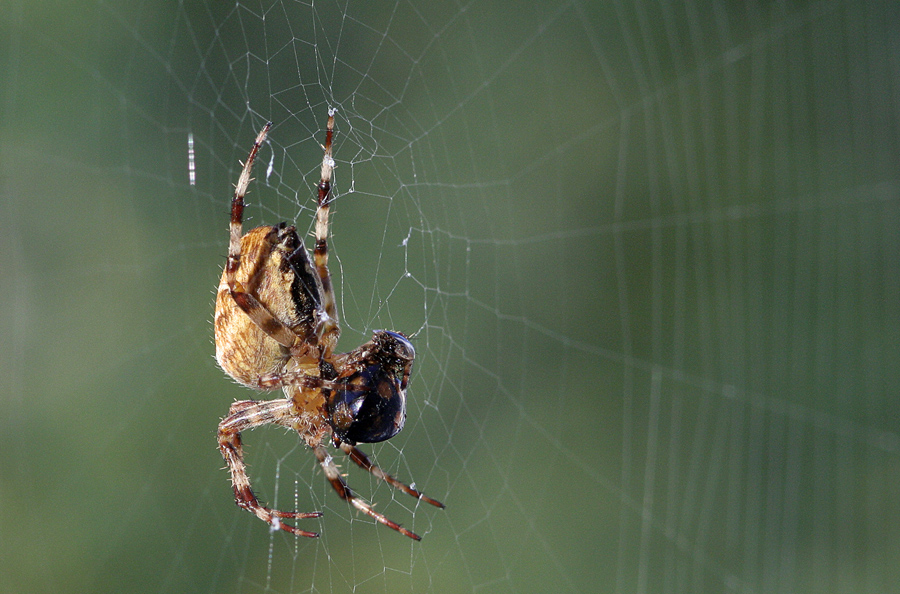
x=276, y=327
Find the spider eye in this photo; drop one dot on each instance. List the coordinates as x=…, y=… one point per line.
x=370, y=407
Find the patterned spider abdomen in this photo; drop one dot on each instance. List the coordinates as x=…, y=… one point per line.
x=276, y=279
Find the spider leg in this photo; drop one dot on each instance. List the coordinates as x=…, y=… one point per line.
x=237, y=205
x=337, y=481
x=363, y=462
x=256, y=311
x=276, y=379
x=261, y=316
x=248, y=415
x=251, y=306
x=329, y=329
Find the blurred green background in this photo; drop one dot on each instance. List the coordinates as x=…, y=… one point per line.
x=649, y=252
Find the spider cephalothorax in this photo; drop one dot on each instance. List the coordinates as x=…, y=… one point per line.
x=276, y=327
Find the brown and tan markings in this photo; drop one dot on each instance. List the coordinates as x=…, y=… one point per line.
x=276, y=327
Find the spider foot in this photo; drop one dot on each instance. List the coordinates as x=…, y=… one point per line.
x=248, y=501
x=365, y=463
x=367, y=509
x=346, y=493
x=277, y=524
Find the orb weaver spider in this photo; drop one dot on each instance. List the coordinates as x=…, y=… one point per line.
x=276, y=327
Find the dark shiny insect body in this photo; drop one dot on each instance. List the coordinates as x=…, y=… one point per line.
x=276, y=327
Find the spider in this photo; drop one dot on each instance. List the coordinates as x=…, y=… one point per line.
x=276, y=327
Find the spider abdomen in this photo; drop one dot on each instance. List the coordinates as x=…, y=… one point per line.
x=274, y=271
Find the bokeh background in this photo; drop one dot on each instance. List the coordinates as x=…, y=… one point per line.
x=648, y=251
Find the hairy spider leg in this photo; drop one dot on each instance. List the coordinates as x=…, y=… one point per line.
x=330, y=331
x=237, y=204
x=363, y=462
x=343, y=490
x=247, y=415
x=281, y=379
x=250, y=305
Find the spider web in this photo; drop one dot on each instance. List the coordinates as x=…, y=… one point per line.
x=647, y=253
